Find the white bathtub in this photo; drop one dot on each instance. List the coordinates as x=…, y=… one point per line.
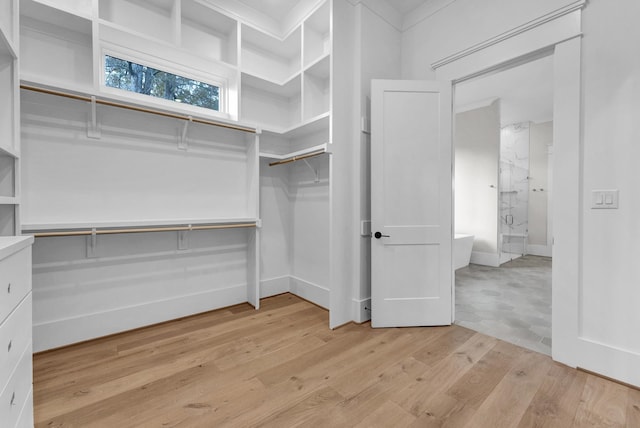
x=462, y=245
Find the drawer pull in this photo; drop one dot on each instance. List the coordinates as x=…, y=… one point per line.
x=9, y=289
x=13, y=399
x=9, y=346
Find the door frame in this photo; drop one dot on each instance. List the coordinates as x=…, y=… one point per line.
x=560, y=32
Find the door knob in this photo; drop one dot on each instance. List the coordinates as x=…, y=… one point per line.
x=379, y=235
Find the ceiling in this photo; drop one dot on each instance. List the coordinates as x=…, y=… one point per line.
x=525, y=92
x=406, y=6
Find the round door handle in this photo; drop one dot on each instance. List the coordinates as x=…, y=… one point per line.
x=379, y=235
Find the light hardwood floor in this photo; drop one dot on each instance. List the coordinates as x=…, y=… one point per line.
x=281, y=366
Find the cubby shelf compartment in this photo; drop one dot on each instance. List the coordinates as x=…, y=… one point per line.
x=311, y=136
x=158, y=22
x=317, y=30
x=63, y=49
x=316, y=89
x=273, y=59
x=272, y=106
x=206, y=32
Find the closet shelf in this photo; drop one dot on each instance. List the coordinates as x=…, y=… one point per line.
x=319, y=149
x=114, y=101
x=261, y=81
x=139, y=225
x=7, y=48
x=9, y=200
x=310, y=126
x=320, y=68
x=8, y=151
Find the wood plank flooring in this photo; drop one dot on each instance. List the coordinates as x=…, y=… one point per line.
x=282, y=367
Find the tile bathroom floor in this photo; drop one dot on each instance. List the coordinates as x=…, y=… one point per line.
x=511, y=302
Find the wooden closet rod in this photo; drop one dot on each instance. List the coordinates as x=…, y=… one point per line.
x=297, y=158
x=142, y=229
x=141, y=109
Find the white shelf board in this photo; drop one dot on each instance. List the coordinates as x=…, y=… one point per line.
x=31, y=80
x=43, y=82
x=286, y=88
x=9, y=200
x=287, y=47
x=9, y=151
x=42, y=227
x=309, y=126
x=293, y=154
x=320, y=68
x=7, y=48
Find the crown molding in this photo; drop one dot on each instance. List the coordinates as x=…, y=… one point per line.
x=572, y=7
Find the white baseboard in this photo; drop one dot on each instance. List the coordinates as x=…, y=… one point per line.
x=539, y=250
x=361, y=310
x=54, y=334
x=597, y=357
x=485, y=259
x=274, y=286
x=309, y=291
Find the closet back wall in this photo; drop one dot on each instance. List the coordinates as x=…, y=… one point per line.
x=133, y=174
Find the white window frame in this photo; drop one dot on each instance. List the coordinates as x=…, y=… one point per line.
x=170, y=67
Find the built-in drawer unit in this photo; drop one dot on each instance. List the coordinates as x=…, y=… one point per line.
x=15, y=280
x=25, y=420
x=15, y=337
x=16, y=392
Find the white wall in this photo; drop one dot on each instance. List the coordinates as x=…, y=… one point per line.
x=477, y=153
x=540, y=140
x=610, y=239
x=378, y=48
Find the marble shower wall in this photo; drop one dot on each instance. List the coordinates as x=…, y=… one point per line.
x=514, y=187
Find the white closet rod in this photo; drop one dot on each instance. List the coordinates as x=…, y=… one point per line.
x=141, y=230
x=141, y=109
x=297, y=158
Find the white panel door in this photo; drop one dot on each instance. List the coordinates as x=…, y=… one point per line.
x=411, y=203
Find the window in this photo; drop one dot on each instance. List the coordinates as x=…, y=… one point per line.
x=129, y=76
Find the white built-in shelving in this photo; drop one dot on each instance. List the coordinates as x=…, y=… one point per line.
x=9, y=119
x=280, y=84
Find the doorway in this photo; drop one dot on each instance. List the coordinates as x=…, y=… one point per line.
x=503, y=143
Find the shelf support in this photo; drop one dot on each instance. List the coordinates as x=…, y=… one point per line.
x=93, y=128
x=183, y=238
x=182, y=143
x=92, y=244
x=314, y=170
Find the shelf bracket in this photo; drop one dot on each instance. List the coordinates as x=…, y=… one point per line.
x=93, y=128
x=314, y=170
x=92, y=244
x=183, y=239
x=182, y=143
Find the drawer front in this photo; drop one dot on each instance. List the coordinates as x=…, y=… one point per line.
x=16, y=392
x=15, y=280
x=15, y=336
x=25, y=420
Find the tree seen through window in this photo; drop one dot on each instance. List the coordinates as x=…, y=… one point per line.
x=145, y=80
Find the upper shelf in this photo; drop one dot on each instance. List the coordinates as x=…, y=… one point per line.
x=42, y=227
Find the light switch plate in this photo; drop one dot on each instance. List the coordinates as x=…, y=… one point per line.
x=604, y=199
